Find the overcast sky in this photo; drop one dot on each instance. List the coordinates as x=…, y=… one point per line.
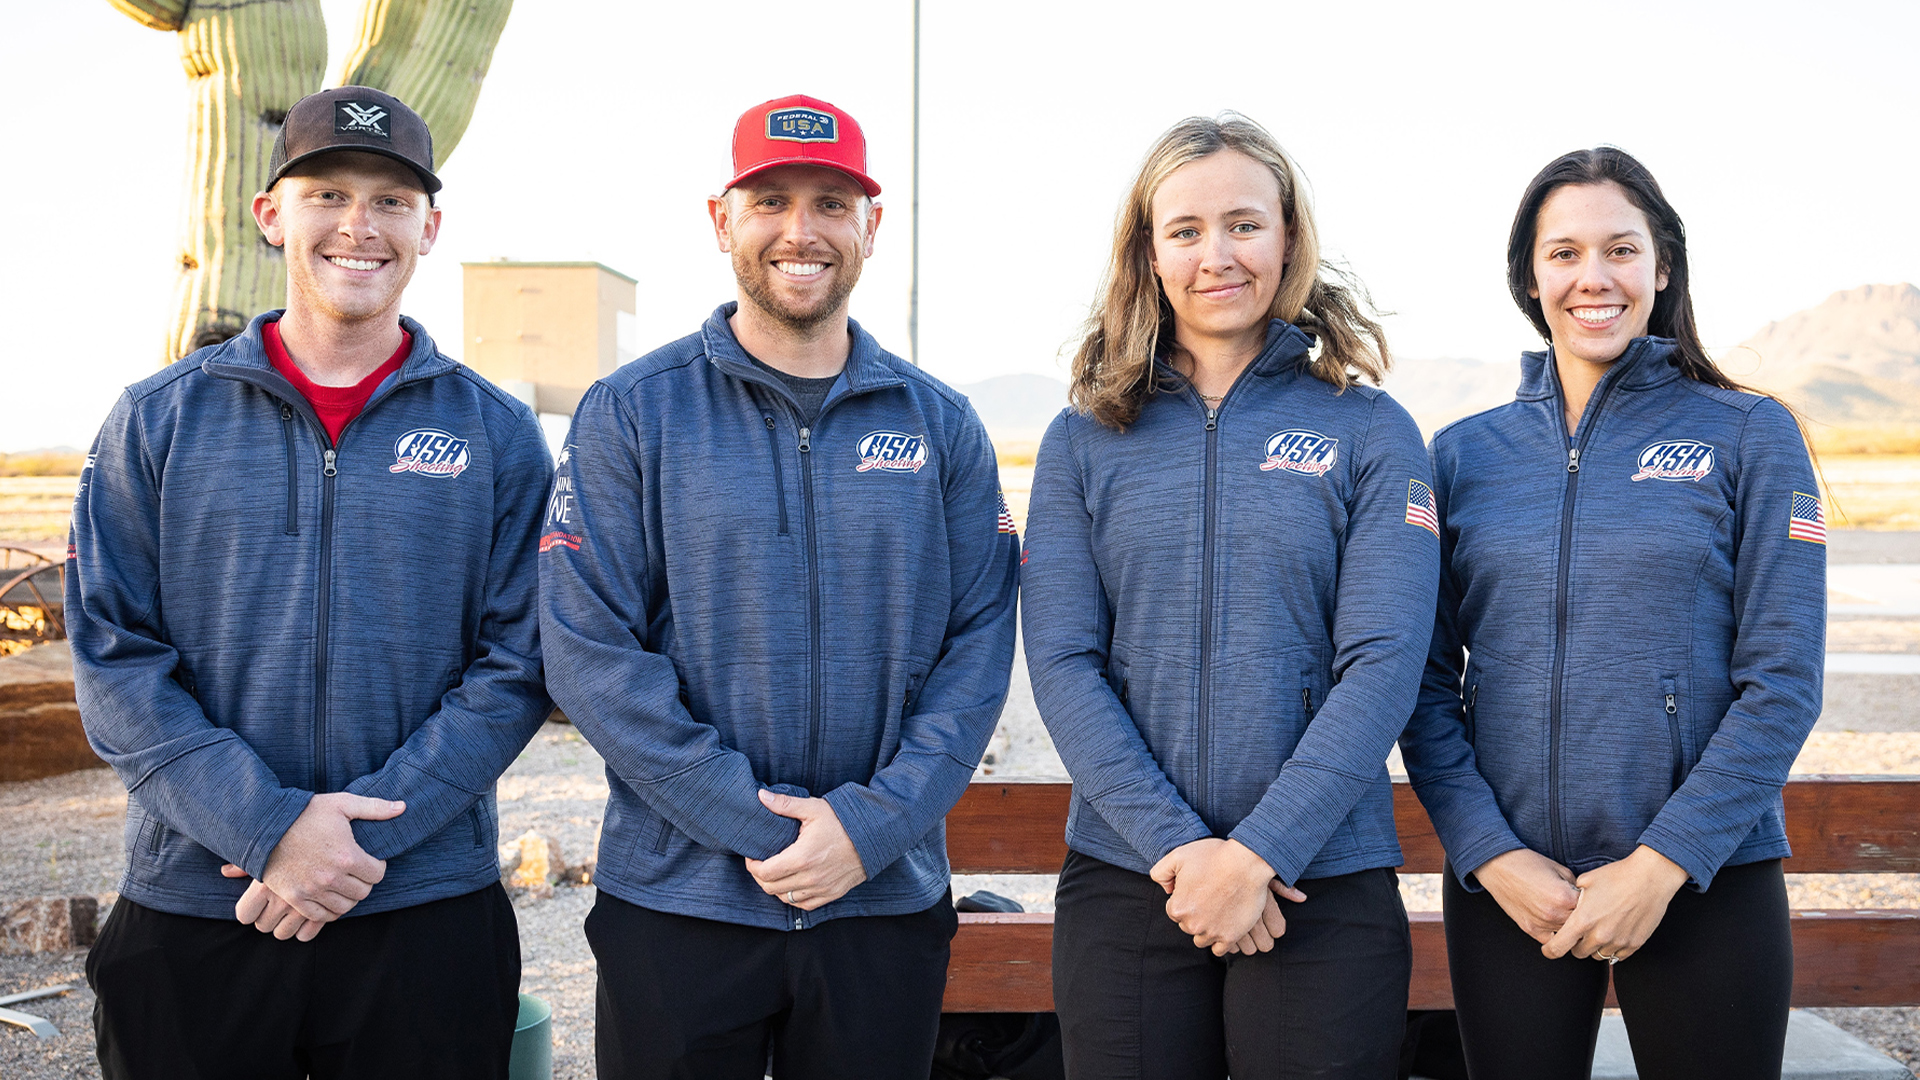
x=1782, y=131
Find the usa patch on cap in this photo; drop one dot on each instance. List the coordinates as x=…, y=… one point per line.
x=1806, y=520
x=803, y=125
x=1421, y=510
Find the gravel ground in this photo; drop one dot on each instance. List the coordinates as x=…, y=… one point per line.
x=61, y=836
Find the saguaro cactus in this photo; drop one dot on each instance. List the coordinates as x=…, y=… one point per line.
x=247, y=62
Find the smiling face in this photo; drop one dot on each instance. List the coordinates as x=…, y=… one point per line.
x=354, y=226
x=1596, y=271
x=1219, y=249
x=799, y=236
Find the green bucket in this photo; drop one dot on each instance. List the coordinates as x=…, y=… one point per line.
x=532, y=1057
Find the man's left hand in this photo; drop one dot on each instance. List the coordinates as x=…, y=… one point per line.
x=819, y=867
x=260, y=907
x=1621, y=905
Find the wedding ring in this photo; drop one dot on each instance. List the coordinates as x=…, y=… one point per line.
x=1611, y=960
x=789, y=896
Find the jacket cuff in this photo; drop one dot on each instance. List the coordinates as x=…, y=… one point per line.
x=292, y=803
x=872, y=840
x=1685, y=851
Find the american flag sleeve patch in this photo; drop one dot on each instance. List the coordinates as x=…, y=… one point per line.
x=1806, y=520
x=1420, y=508
x=1006, y=516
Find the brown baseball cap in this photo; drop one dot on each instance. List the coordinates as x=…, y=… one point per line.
x=354, y=118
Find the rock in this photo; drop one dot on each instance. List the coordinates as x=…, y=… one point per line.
x=49, y=924
x=540, y=865
x=40, y=733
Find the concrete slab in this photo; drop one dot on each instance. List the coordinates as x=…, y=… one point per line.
x=1816, y=1050
x=1864, y=546
x=1856, y=702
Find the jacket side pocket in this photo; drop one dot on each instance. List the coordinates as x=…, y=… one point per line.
x=1670, y=693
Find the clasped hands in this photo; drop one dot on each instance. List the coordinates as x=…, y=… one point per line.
x=821, y=864
x=1225, y=895
x=317, y=872
x=1608, y=912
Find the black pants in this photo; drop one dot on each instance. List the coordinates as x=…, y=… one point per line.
x=425, y=991
x=1136, y=998
x=695, y=999
x=1705, y=997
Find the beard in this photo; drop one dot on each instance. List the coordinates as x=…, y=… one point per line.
x=755, y=276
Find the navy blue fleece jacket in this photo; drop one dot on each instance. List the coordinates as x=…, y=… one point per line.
x=258, y=615
x=734, y=600
x=1629, y=638
x=1225, y=617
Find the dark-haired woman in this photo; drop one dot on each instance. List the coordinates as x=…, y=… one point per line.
x=1634, y=568
x=1230, y=552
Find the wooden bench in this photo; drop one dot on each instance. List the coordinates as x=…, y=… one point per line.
x=1837, y=824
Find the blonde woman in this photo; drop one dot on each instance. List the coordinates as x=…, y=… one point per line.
x=1230, y=552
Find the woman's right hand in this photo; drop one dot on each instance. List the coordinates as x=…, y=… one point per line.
x=1537, y=893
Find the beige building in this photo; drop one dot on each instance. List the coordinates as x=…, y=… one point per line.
x=544, y=331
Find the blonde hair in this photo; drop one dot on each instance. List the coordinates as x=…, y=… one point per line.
x=1113, y=371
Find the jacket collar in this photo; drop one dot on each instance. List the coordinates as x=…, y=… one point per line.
x=245, y=357
x=1286, y=351
x=1648, y=362
x=865, y=369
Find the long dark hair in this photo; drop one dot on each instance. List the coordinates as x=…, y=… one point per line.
x=1672, y=306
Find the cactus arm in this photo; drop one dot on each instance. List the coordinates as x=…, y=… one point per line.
x=153, y=14
x=431, y=54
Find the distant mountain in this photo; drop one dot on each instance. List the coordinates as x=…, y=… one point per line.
x=1017, y=406
x=1438, y=392
x=1853, y=359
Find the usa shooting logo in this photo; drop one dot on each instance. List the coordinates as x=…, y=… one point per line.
x=1675, y=459
x=802, y=125
x=891, y=451
x=430, y=452
x=1301, y=451
x=353, y=118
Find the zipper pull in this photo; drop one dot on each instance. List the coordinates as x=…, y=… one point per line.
x=769, y=423
x=1306, y=699
x=286, y=411
x=1473, y=695
x=1672, y=706
x=806, y=440
x=328, y=469
x=1573, y=459
x=1213, y=414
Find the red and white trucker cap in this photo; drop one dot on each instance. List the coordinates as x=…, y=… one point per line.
x=799, y=130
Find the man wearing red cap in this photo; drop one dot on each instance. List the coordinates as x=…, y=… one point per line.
x=777, y=591
x=301, y=598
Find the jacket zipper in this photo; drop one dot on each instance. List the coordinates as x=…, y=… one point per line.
x=328, y=470
x=779, y=477
x=813, y=607
x=1560, y=605
x=1473, y=698
x=293, y=471
x=1204, y=763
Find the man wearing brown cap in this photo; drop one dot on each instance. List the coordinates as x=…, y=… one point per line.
x=301, y=598
x=777, y=591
